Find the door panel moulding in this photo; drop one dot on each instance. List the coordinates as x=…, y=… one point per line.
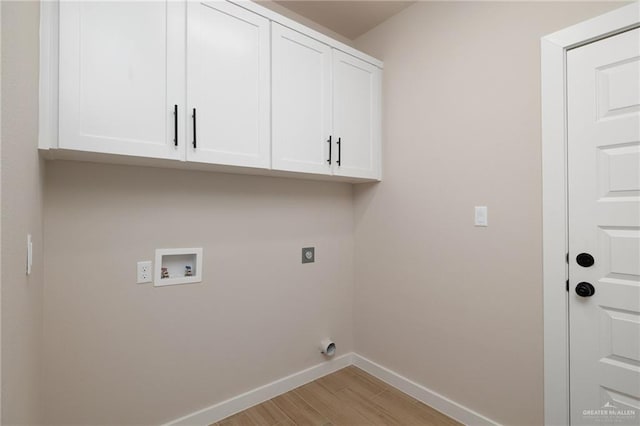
x=554, y=176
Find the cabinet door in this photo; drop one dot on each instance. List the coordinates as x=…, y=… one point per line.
x=228, y=85
x=301, y=90
x=356, y=116
x=121, y=73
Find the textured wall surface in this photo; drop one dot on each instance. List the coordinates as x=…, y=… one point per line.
x=118, y=352
x=21, y=180
x=453, y=307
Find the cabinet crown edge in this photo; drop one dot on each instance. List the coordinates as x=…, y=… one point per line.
x=301, y=28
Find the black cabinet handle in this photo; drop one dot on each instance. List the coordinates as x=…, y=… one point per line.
x=194, y=129
x=339, y=151
x=329, y=142
x=175, y=125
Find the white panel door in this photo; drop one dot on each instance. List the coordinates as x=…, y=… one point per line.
x=356, y=117
x=301, y=105
x=604, y=223
x=121, y=78
x=228, y=85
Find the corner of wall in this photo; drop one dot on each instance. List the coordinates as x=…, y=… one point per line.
x=21, y=183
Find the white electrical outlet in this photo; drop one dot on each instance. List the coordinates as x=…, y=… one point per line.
x=144, y=272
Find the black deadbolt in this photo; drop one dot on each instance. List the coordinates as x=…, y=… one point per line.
x=585, y=289
x=585, y=260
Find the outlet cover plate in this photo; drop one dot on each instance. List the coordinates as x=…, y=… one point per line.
x=145, y=274
x=308, y=255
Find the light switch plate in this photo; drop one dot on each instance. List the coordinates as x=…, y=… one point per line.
x=481, y=216
x=308, y=255
x=29, y=254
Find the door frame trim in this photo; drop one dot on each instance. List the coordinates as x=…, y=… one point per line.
x=554, y=48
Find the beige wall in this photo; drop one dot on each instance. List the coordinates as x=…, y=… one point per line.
x=282, y=10
x=121, y=353
x=454, y=307
x=21, y=214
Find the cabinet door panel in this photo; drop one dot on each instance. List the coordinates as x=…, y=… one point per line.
x=356, y=116
x=228, y=85
x=120, y=76
x=301, y=114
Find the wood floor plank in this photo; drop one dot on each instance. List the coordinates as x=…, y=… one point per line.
x=438, y=417
x=267, y=414
x=364, y=383
x=299, y=411
x=363, y=374
x=408, y=410
x=430, y=415
x=367, y=408
x=330, y=406
x=240, y=419
x=348, y=397
x=287, y=422
x=337, y=381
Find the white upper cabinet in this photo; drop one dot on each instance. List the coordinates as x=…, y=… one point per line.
x=326, y=108
x=356, y=116
x=228, y=85
x=121, y=75
x=301, y=114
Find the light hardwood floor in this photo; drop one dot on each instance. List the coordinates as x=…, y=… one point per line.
x=347, y=397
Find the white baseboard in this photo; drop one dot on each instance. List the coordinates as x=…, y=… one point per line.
x=433, y=399
x=259, y=395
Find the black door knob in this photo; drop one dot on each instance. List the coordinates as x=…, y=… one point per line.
x=585, y=260
x=585, y=289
